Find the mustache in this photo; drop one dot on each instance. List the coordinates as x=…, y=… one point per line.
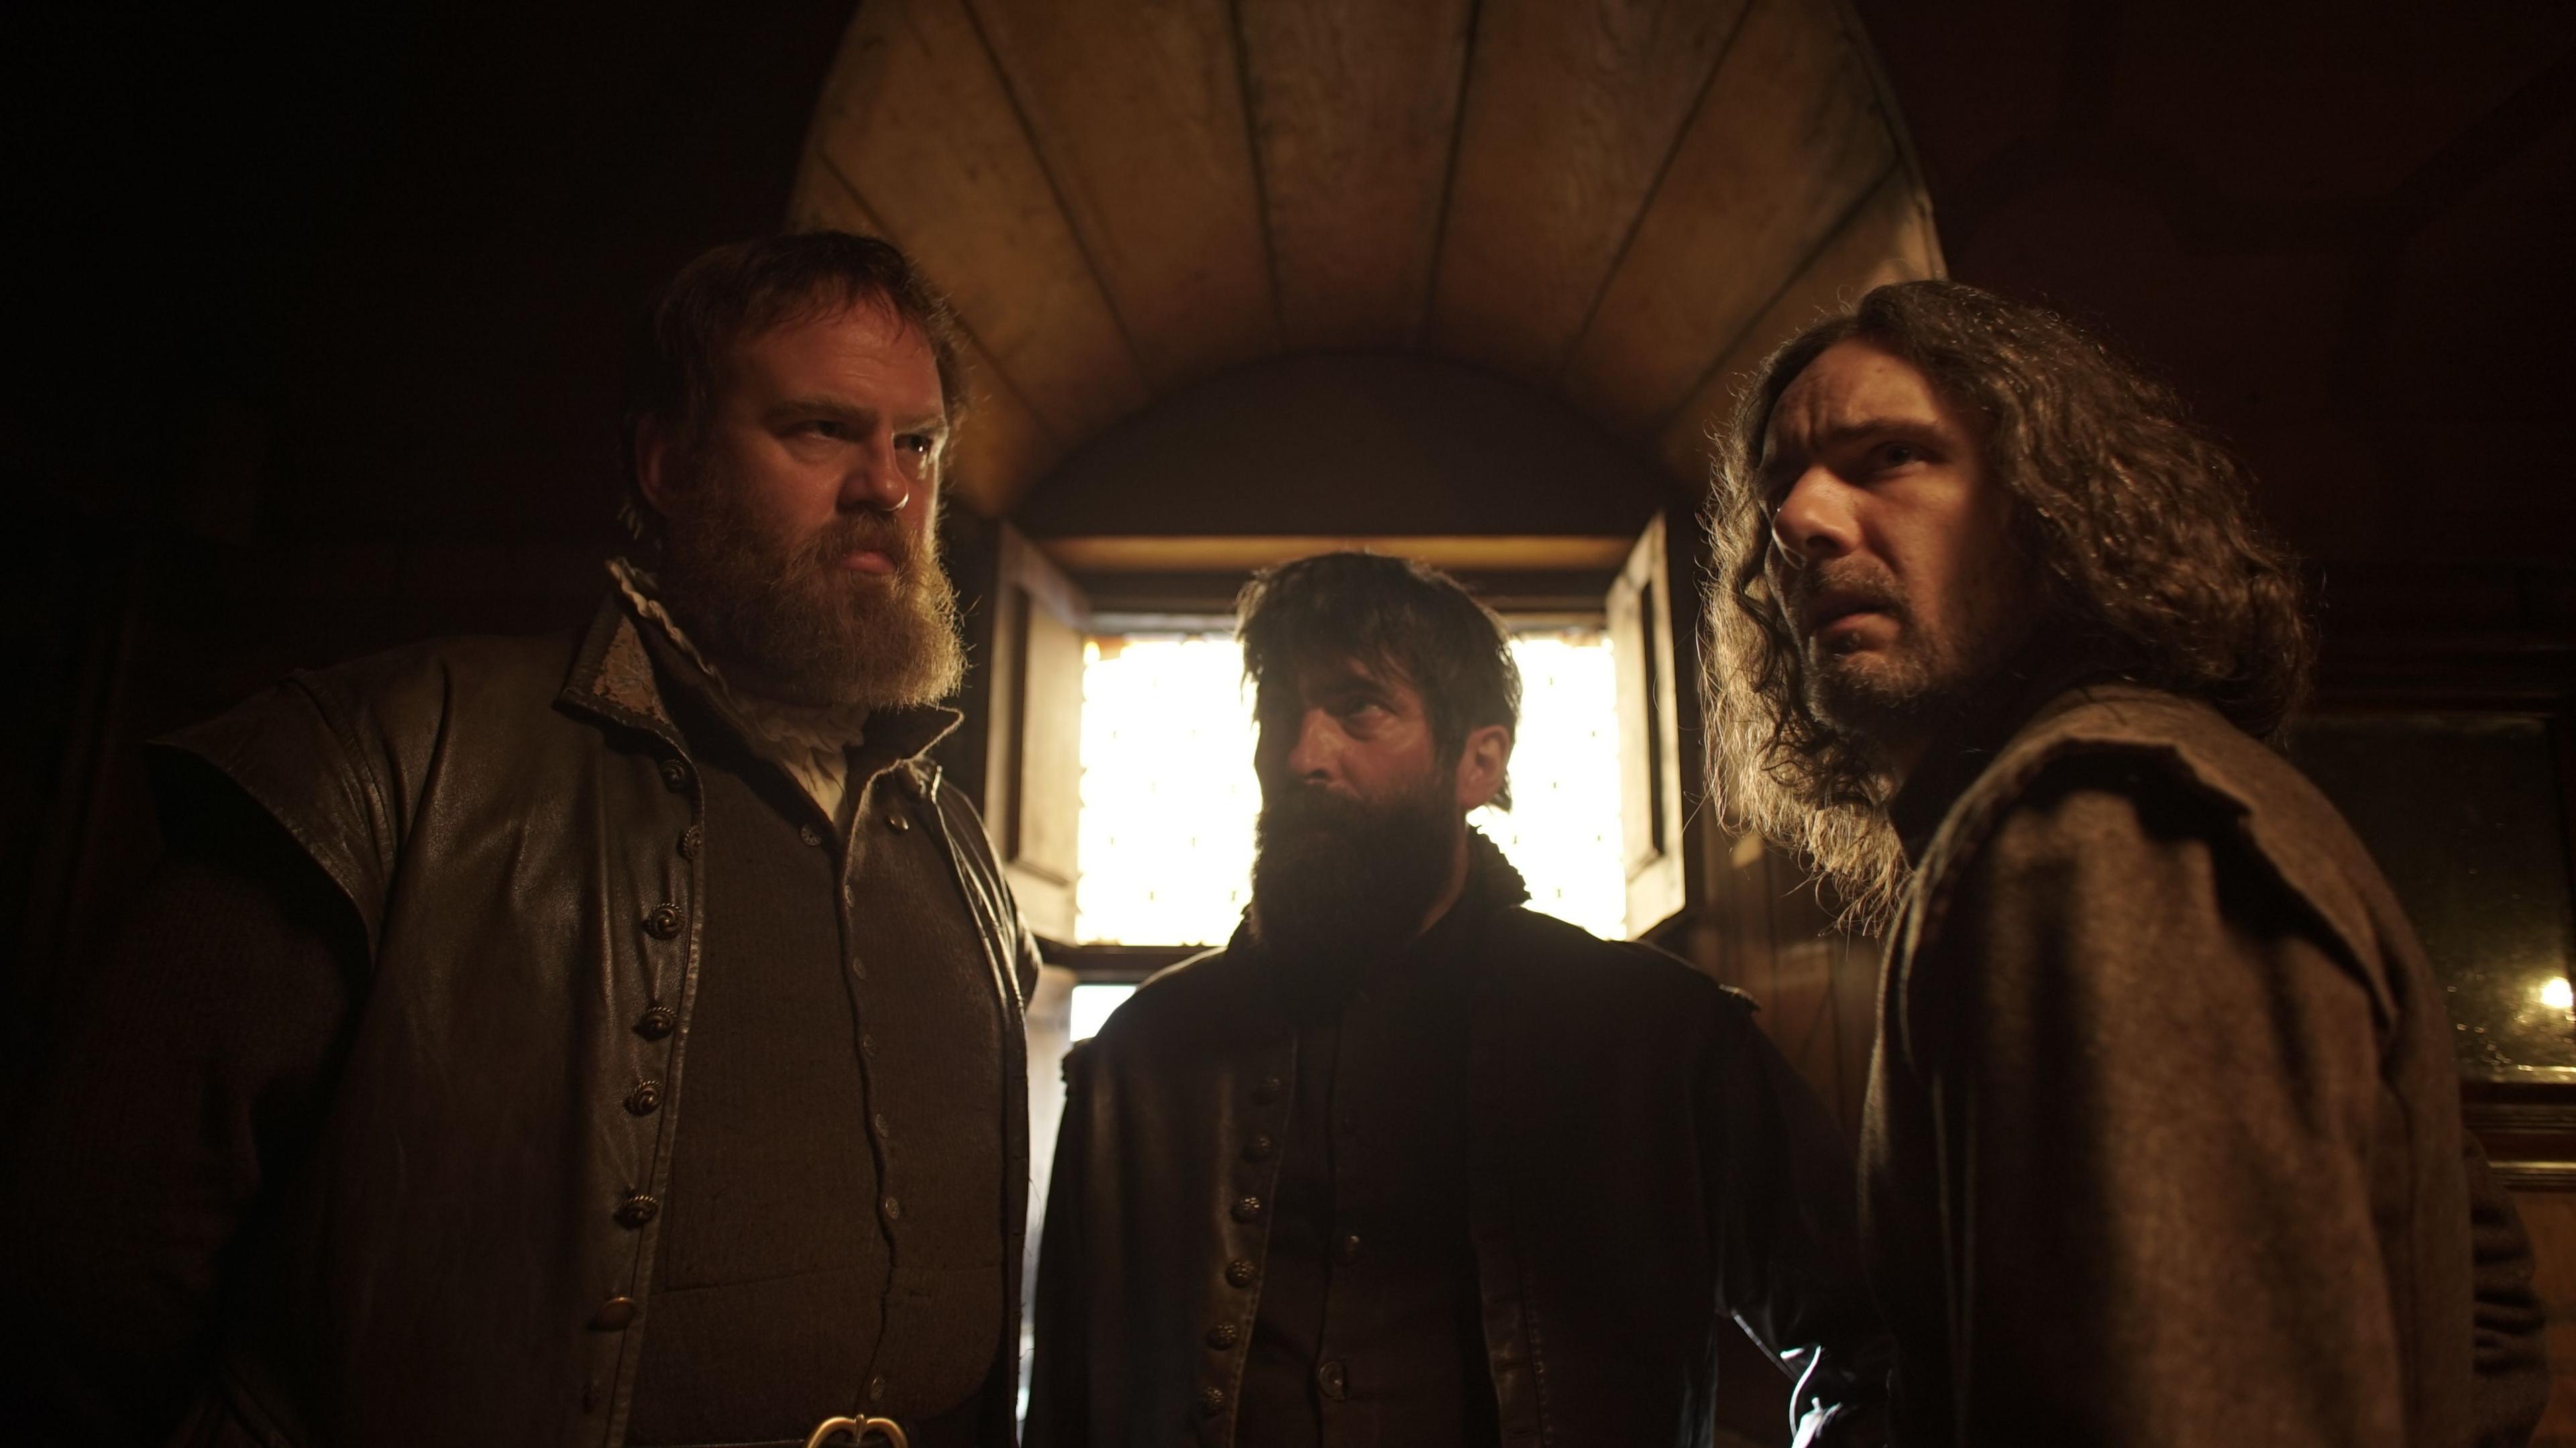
x=1847, y=580
x=1310, y=810
x=862, y=532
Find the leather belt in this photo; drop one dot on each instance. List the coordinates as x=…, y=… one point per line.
x=859, y=1430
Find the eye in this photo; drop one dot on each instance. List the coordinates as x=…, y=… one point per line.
x=1361, y=715
x=1889, y=456
x=920, y=443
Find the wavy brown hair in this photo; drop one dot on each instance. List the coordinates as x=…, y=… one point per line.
x=2141, y=527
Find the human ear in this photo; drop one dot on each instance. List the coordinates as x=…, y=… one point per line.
x=1482, y=762
x=653, y=471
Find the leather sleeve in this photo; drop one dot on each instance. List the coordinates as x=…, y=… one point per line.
x=1060, y=1372
x=2153, y=1090
x=191, y=1071
x=1787, y=1238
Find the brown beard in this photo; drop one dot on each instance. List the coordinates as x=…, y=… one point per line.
x=1336, y=879
x=1872, y=700
x=801, y=628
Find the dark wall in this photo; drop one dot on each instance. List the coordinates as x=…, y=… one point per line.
x=1361, y=443
x=2341, y=229
x=320, y=315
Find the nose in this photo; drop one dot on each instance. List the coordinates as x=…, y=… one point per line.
x=1813, y=520
x=1314, y=757
x=877, y=480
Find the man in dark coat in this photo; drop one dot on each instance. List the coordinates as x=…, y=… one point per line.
x=372, y=1132
x=1406, y=1164
x=2163, y=1140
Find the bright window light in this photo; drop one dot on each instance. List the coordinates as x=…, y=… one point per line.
x=1092, y=1003
x=1168, y=798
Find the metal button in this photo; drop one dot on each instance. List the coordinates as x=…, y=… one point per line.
x=692, y=840
x=613, y=1315
x=663, y=921
x=1268, y=1090
x=809, y=834
x=1333, y=1378
x=898, y=823
x=1224, y=1335
x=656, y=1022
x=867, y=1044
x=1347, y=1250
x=884, y=1126
x=1240, y=1272
x=675, y=775
x=1247, y=1209
x=1261, y=1147
x=642, y=1100
x=892, y=1208
x=1211, y=1399
x=877, y=1389
x=636, y=1210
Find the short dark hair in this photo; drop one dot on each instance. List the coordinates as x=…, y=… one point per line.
x=2141, y=525
x=738, y=291
x=1393, y=616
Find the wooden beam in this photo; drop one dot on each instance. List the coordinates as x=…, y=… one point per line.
x=1354, y=104
x=1887, y=238
x=1004, y=447
x=1138, y=114
x=916, y=125
x=1233, y=553
x=1572, y=110
x=1788, y=139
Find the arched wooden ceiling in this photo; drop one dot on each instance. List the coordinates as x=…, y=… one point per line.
x=1622, y=202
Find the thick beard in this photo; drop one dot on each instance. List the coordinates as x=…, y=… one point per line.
x=1336, y=879
x=804, y=629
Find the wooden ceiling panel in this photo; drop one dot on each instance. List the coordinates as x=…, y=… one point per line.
x=917, y=126
x=1572, y=110
x=1003, y=446
x=1888, y=238
x=1354, y=106
x=1001, y=451
x=1788, y=140
x=1138, y=113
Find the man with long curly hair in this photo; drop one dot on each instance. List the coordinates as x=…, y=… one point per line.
x=2163, y=1138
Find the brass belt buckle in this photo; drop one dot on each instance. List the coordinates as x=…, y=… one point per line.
x=858, y=1429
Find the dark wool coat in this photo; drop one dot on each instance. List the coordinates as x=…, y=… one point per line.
x=2163, y=1143
x=1644, y=1172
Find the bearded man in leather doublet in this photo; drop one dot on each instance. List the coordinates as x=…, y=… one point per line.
x=2163, y=1143
x=601, y=1040
x=1405, y=1163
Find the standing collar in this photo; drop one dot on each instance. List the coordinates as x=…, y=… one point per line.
x=1961, y=750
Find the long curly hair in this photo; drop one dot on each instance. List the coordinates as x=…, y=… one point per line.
x=2155, y=568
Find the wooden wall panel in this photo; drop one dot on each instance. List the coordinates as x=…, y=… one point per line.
x=1888, y=237
x=1788, y=139
x=1003, y=447
x=1137, y=110
x=1572, y=110
x=919, y=128
x=1354, y=109
x=2551, y=1218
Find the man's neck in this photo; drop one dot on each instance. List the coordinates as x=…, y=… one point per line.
x=1456, y=885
